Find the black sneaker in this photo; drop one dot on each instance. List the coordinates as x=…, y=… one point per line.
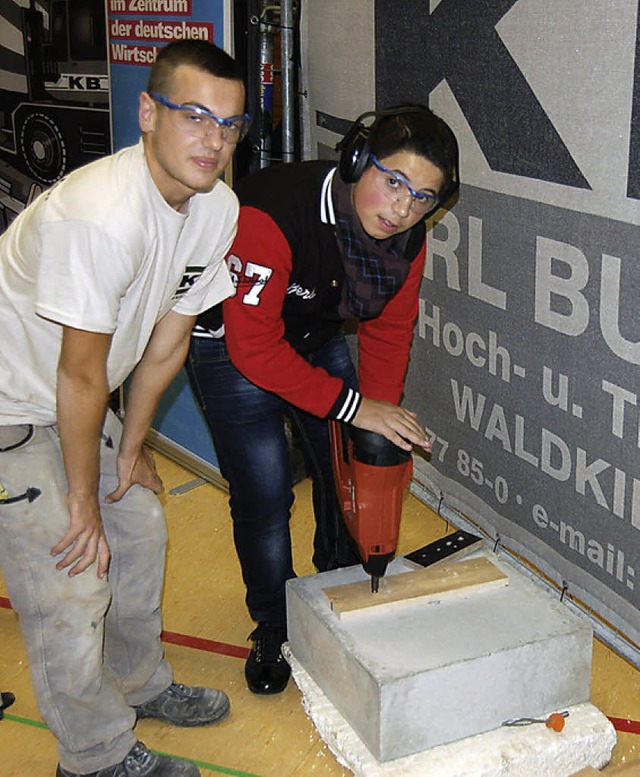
x=141, y=762
x=185, y=705
x=266, y=670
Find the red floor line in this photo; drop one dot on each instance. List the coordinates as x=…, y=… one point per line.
x=625, y=725
x=185, y=640
x=223, y=648
x=210, y=645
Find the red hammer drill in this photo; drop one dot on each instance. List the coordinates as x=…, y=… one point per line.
x=371, y=474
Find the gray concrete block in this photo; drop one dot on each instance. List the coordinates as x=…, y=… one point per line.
x=429, y=674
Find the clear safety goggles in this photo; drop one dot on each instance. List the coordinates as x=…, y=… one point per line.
x=396, y=188
x=199, y=122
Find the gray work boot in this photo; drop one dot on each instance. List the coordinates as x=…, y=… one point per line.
x=141, y=762
x=186, y=705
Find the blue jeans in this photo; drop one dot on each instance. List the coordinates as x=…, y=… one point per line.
x=248, y=431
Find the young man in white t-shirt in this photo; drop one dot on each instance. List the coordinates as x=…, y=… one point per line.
x=104, y=275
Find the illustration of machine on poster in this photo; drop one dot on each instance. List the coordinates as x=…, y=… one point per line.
x=54, y=93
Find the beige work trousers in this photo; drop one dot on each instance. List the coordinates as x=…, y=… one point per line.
x=93, y=645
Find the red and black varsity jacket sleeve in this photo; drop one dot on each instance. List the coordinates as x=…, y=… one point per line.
x=260, y=263
x=384, y=343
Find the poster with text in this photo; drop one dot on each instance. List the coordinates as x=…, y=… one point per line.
x=137, y=29
x=526, y=357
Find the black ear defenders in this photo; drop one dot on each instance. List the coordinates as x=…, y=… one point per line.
x=354, y=146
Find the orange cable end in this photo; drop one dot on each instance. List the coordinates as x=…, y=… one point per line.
x=555, y=721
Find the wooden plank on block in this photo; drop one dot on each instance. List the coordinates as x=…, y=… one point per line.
x=460, y=579
x=588, y=771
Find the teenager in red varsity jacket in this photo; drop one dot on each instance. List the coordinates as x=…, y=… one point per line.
x=317, y=245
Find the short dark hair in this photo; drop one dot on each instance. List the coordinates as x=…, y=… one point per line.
x=198, y=53
x=416, y=128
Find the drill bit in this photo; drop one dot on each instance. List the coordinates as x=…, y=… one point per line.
x=375, y=584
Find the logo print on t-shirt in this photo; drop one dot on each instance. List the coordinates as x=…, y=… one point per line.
x=191, y=275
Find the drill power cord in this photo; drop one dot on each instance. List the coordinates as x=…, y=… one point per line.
x=313, y=463
x=555, y=721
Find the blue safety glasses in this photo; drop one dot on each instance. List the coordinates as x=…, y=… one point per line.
x=200, y=123
x=395, y=187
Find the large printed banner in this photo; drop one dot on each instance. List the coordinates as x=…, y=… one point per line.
x=525, y=362
x=136, y=31
x=524, y=373
x=526, y=354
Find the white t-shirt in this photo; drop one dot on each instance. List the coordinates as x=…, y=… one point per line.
x=103, y=251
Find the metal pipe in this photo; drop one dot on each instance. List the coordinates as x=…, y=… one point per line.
x=265, y=81
x=288, y=95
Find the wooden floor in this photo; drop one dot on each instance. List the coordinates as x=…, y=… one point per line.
x=206, y=627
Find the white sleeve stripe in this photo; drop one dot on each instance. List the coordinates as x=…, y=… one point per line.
x=349, y=407
x=327, y=213
x=210, y=334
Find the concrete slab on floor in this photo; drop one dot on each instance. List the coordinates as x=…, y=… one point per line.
x=425, y=675
x=532, y=751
